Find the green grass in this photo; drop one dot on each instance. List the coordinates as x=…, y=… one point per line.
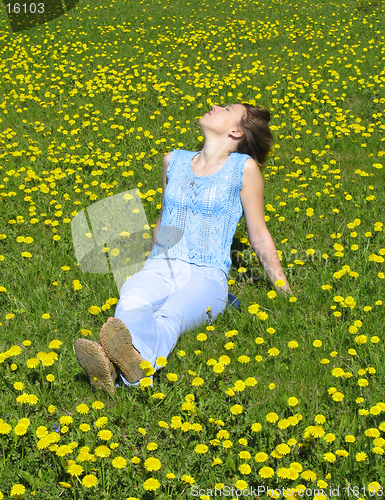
x=107, y=78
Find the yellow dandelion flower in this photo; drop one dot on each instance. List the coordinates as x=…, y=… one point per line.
x=66, y=420
x=272, y=417
x=250, y=382
x=97, y=405
x=320, y=419
x=55, y=344
x=145, y=382
x=243, y=359
x=239, y=386
x=197, y=381
x=338, y=396
x=330, y=457
x=201, y=449
x=151, y=484
x=261, y=457
x=236, y=410
x=266, y=472
x=17, y=490
x=75, y=470
x=256, y=427
x=283, y=424
x=152, y=464
x=105, y=435
x=20, y=429
x=218, y=367
x=23, y=398
x=361, y=456
x=283, y=449
x=32, y=363
x=374, y=487
x=102, y=451
x=223, y=434
x=157, y=395
x=65, y=485
x=309, y=475
x=253, y=309
x=32, y=399
x=161, y=361
x=82, y=408
x=176, y=422
x=188, y=479
x=101, y=422
x=297, y=467
x=64, y=450
x=41, y=431
x=330, y=438
x=89, y=481
x=5, y=428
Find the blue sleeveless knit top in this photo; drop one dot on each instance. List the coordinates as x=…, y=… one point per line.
x=200, y=214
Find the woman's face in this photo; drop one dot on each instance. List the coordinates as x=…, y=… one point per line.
x=223, y=119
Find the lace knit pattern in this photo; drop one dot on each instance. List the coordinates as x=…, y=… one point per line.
x=200, y=214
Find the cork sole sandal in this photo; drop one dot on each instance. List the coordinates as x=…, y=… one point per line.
x=116, y=341
x=95, y=363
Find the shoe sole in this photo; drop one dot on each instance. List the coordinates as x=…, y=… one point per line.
x=94, y=362
x=116, y=341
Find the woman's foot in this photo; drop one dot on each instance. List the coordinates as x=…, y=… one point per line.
x=93, y=360
x=115, y=339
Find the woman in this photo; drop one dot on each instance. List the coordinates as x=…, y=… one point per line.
x=184, y=280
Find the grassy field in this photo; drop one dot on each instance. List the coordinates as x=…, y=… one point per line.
x=284, y=400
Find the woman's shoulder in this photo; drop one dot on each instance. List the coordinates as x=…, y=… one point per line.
x=176, y=157
x=242, y=158
x=183, y=152
x=245, y=155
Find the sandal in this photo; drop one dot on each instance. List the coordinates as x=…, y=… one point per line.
x=116, y=341
x=93, y=360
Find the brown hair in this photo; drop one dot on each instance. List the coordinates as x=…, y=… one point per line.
x=257, y=138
